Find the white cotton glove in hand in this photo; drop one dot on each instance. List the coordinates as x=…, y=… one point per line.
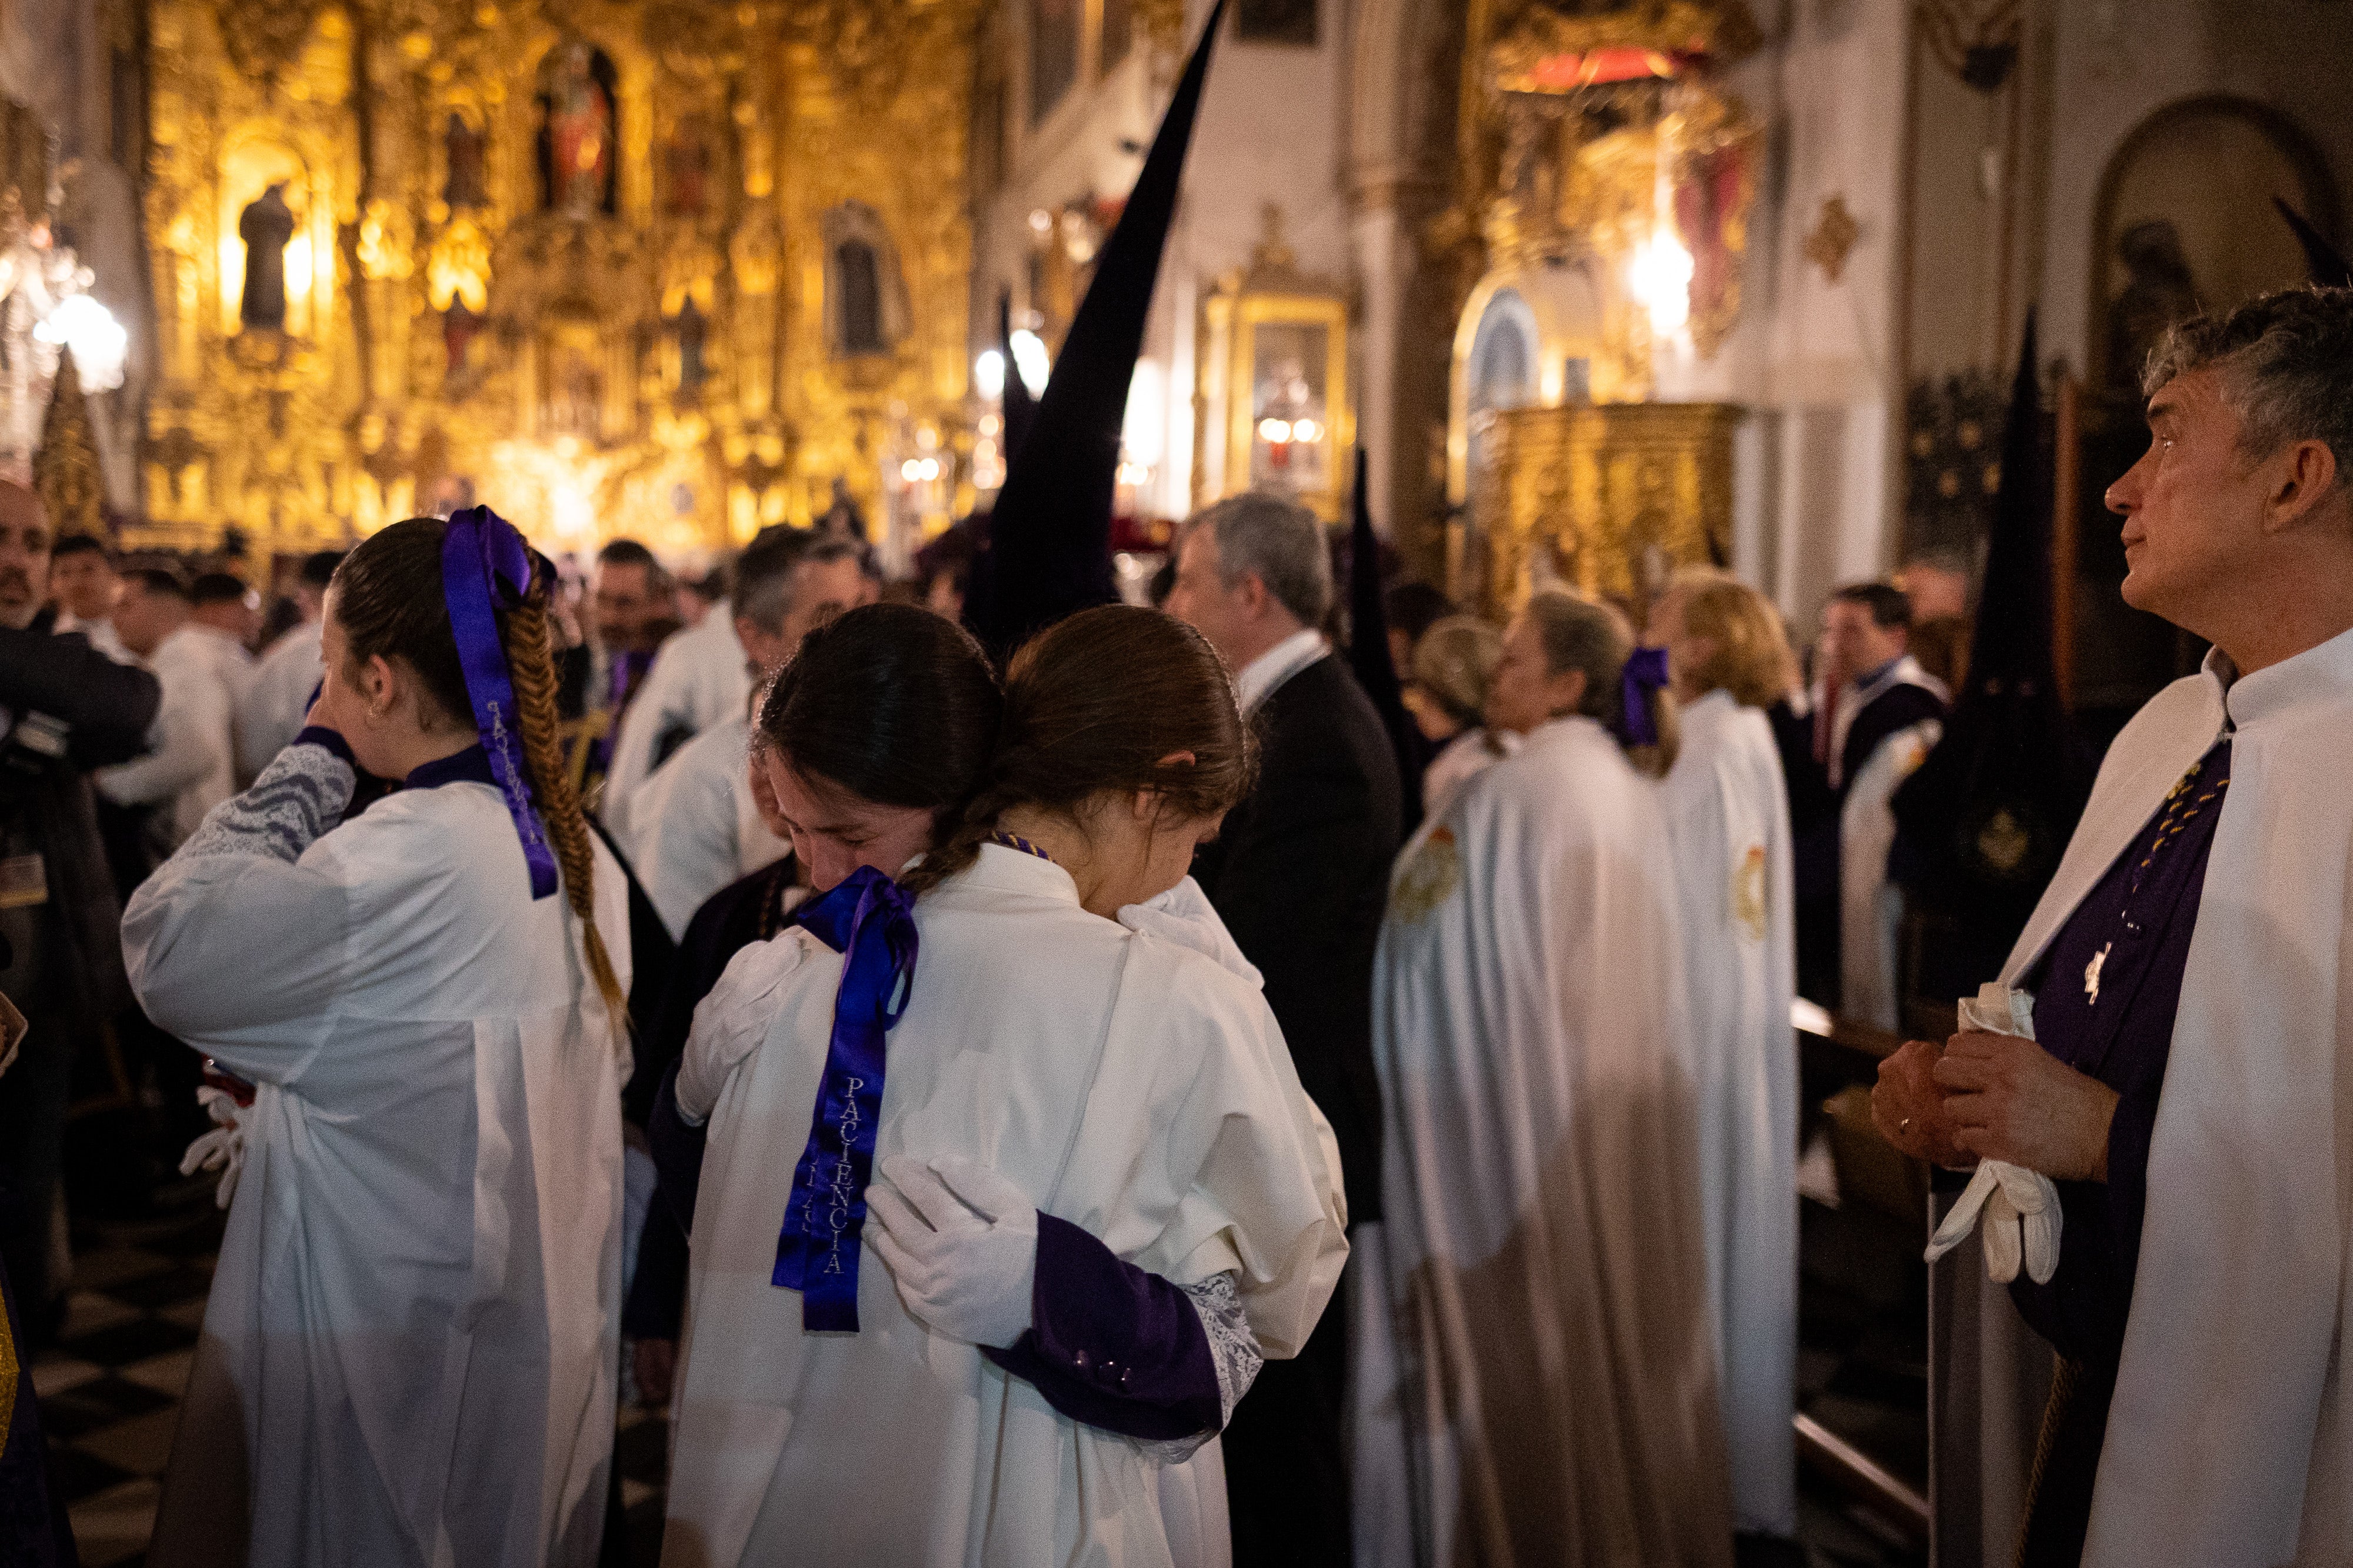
x=222, y=1149
x=962, y=1243
x=2019, y=1207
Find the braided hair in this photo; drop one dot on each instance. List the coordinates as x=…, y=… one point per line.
x=1111, y=699
x=389, y=601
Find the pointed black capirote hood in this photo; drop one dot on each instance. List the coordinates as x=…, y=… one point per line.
x=1049, y=535
x=1368, y=647
x=2012, y=642
x=2325, y=263
x=1021, y=408
x=1981, y=824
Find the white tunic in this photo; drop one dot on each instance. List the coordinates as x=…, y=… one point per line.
x=1546, y=1359
x=1871, y=908
x=1129, y=1084
x=693, y=828
x=700, y=676
x=1729, y=815
x=408, y=1356
x=2230, y=1438
x=1464, y=758
x=189, y=767
x=278, y=698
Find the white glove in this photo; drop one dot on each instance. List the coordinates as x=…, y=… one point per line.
x=2019, y=1207
x=961, y=1242
x=222, y=1149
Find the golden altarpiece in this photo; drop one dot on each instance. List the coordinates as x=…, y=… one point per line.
x=666, y=269
x=1603, y=217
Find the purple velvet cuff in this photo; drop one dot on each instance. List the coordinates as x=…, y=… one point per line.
x=1111, y=1346
x=320, y=736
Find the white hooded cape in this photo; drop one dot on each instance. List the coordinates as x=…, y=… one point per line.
x=700, y=676
x=1545, y=1361
x=1729, y=815
x=410, y=1351
x=2230, y=1440
x=1131, y=1084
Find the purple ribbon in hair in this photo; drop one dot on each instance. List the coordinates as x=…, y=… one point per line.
x=486, y=568
x=1646, y=671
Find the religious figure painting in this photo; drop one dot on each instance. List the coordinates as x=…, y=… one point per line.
x=266, y=225
x=464, y=186
x=571, y=381
x=576, y=146
x=686, y=168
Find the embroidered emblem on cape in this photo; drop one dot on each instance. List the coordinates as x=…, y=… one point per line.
x=1748, y=892
x=2003, y=841
x=2091, y=973
x=1430, y=879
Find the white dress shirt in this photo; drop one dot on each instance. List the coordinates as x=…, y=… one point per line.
x=1261, y=677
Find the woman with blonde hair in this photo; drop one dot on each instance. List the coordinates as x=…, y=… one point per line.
x=1452, y=665
x=1729, y=815
x=1537, y=1368
x=410, y=1350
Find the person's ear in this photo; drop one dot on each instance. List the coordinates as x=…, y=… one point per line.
x=1251, y=589
x=1567, y=693
x=2299, y=479
x=382, y=684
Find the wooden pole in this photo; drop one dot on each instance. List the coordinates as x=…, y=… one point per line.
x=2068, y=473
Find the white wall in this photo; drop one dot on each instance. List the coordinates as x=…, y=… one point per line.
x=1270, y=129
x=1818, y=468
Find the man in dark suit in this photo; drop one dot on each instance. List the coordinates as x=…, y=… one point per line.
x=1300, y=875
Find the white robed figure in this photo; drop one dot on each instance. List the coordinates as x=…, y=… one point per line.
x=1099, y=1196
x=2220, y=1426
x=410, y=1352
x=1545, y=1359
x=1729, y=815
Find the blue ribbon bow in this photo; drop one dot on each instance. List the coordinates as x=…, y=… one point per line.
x=870, y=920
x=485, y=568
x=1646, y=671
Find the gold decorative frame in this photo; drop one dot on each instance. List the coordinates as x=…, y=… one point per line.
x=1606, y=499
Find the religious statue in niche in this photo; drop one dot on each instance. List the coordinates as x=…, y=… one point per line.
x=465, y=146
x=866, y=310
x=266, y=225
x=459, y=327
x=571, y=381
x=576, y=135
x=2159, y=289
x=861, y=297
x=686, y=168
x=692, y=330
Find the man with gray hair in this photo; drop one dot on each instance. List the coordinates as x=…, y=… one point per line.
x=1300, y=874
x=2179, y=1065
x=696, y=826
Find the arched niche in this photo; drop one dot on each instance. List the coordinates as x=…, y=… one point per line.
x=2184, y=220
x=866, y=307
x=251, y=165
x=1529, y=336
x=578, y=138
